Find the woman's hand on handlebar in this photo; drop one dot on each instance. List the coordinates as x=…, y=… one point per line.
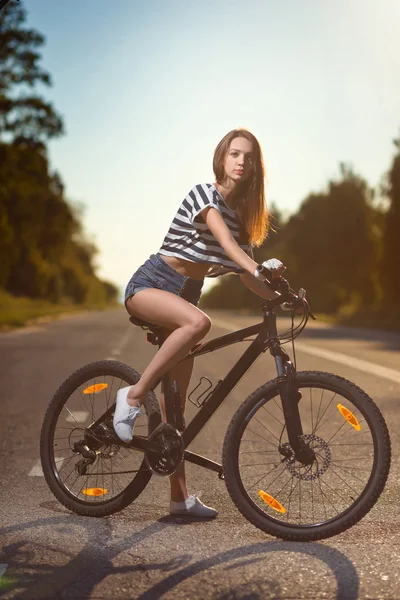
x=270, y=269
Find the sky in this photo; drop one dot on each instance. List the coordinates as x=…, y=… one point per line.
x=147, y=90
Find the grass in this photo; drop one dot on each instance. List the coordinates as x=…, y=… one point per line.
x=16, y=312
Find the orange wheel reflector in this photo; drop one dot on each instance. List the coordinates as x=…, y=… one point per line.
x=348, y=415
x=95, y=492
x=94, y=389
x=272, y=502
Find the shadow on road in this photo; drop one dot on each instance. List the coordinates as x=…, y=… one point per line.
x=347, y=580
x=26, y=579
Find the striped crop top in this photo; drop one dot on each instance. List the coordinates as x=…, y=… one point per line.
x=189, y=237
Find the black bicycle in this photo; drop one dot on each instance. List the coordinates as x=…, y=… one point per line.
x=305, y=457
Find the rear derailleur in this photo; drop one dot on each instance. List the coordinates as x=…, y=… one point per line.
x=89, y=447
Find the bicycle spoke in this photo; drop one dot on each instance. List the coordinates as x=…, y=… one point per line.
x=273, y=416
x=266, y=428
x=314, y=493
x=114, y=468
x=255, y=433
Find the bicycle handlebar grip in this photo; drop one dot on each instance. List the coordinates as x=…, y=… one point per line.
x=264, y=271
x=278, y=284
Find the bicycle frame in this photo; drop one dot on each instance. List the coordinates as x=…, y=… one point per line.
x=267, y=338
x=222, y=389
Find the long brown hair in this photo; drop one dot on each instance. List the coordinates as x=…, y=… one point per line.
x=251, y=209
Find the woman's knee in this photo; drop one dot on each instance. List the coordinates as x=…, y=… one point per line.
x=201, y=324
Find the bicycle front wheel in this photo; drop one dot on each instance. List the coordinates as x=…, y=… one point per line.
x=292, y=501
x=118, y=474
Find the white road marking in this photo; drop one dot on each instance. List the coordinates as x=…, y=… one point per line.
x=120, y=347
x=344, y=359
x=3, y=569
x=77, y=416
x=351, y=361
x=37, y=470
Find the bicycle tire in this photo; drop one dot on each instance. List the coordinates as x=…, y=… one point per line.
x=82, y=506
x=270, y=522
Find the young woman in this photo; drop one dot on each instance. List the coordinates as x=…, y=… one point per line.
x=211, y=234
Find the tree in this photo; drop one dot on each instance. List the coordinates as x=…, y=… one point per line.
x=390, y=265
x=37, y=221
x=25, y=118
x=331, y=245
x=44, y=250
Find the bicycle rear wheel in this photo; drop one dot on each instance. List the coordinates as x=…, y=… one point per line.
x=118, y=474
x=293, y=501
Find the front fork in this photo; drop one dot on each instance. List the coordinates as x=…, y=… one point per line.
x=290, y=398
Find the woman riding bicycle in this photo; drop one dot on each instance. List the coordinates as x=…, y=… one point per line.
x=212, y=234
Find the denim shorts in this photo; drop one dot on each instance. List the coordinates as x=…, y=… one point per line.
x=156, y=273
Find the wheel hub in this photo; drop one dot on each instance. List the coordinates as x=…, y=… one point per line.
x=94, y=445
x=319, y=465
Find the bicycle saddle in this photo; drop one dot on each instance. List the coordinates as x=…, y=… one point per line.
x=145, y=324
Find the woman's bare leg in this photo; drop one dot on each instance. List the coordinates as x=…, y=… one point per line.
x=187, y=323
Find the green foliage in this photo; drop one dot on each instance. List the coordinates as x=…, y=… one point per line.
x=25, y=118
x=44, y=250
x=390, y=264
x=331, y=247
x=18, y=312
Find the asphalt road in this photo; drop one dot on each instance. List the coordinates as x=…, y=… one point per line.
x=141, y=552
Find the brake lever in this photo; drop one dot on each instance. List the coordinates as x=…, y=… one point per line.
x=279, y=284
x=302, y=294
x=286, y=306
x=308, y=306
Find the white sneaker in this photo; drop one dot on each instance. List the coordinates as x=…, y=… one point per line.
x=192, y=507
x=124, y=415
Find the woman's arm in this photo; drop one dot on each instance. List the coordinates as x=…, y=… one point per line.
x=258, y=286
x=222, y=234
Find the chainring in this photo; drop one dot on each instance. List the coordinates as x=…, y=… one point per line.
x=166, y=462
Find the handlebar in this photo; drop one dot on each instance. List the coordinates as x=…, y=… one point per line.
x=288, y=299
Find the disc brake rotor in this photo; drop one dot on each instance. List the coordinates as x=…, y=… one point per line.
x=320, y=464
